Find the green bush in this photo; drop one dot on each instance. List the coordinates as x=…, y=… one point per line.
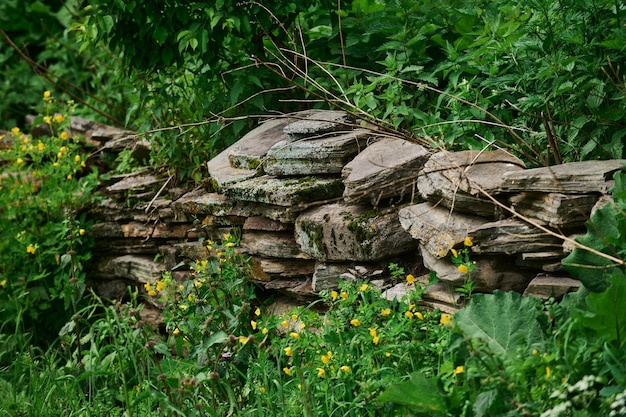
x=43, y=233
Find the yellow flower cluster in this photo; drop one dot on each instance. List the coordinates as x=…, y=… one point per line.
x=156, y=289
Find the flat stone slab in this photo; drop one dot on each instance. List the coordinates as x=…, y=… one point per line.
x=385, y=169
x=272, y=245
x=339, y=232
x=143, y=230
x=326, y=155
x=200, y=202
x=455, y=179
x=249, y=151
x=511, y=236
x=135, y=182
x=262, y=223
x=285, y=191
x=436, y=228
x=140, y=269
x=317, y=123
x=491, y=273
x=241, y=160
x=555, y=209
x=546, y=286
x=270, y=269
x=571, y=178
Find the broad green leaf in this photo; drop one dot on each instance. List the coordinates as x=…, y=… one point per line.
x=505, y=320
x=606, y=312
x=418, y=392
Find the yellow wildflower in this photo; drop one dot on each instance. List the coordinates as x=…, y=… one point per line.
x=548, y=372
x=409, y=315
x=81, y=232
x=345, y=368
x=294, y=335
x=288, y=351
x=48, y=120
x=445, y=318
x=257, y=312
x=253, y=324
x=47, y=95
x=197, y=284
x=148, y=286
x=454, y=253
x=302, y=325
x=3, y=283
x=176, y=331
x=31, y=249
x=458, y=370
x=344, y=295
x=321, y=372
x=77, y=158
x=184, y=307
x=355, y=322
x=41, y=146
x=375, y=340
x=468, y=241
x=152, y=293
x=64, y=135
x=463, y=269
x=419, y=315
x=226, y=236
x=410, y=279
x=160, y=285
x=243, y=340
x=19, y=161
x=294, y=317
x=387, y=354
x=535, y=351
x=334, y=294
x=284, y=323
x=262, y=390
x=287, y=371
x=363, y=287
x=372, y=332
x=58, y=118
x=385, y=312
x=265, y=330
x=15, y=131
x=325, y=359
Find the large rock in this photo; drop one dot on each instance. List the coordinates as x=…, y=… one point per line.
x=341, y=232
x=436, y=227
x=458, y=180
x=326, y=155
x=491, y=273
x=572, y=178
x=511, y=236
x=386, y=169
x=556, y=209
x=317, y=123
x=272, y=245
x=548, y=286
x=243, y=159
x=139, y=269
x=270, y=269
x=285, y=191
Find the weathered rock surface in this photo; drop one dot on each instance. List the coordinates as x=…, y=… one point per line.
x=546, y=286
x=511, y=236
x=317, y=123
x=573, y=178
x=285, y=192
x=555, y=209
x=341, y=232
x=140, y=269
x=491, y=273
x=326, y=155
x=270, y=269
x=459, y=180
x=249, y=151
x=272, y=245
x=436, y=227
x=386, y=169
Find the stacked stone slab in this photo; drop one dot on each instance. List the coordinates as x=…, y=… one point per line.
x=316, y=197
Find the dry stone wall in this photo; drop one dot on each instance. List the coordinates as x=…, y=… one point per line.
x=318, y=197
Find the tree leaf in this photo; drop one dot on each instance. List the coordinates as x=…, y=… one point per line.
x=505, y=320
